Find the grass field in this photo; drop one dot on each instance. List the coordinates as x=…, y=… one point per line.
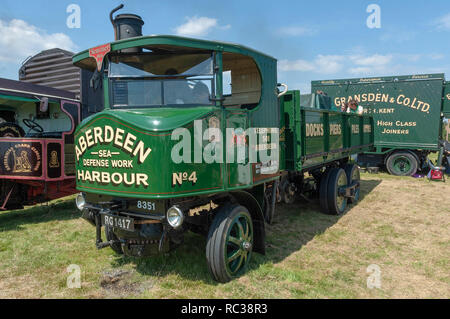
x=402, y=225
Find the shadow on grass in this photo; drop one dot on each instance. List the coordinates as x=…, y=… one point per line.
x=14, y=219
x=187, y=261
x=294, y=226
x=367, y=186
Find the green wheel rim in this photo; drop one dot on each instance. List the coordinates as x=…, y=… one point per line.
x=401, y=164
x=238, y=244
x=341, y=200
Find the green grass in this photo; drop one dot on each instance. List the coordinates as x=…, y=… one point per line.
x=401, y=224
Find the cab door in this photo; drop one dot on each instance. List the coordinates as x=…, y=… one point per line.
x=237, y=165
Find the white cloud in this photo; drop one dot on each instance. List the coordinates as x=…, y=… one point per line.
x=357, y=65
x=329, y=63
x=350, y=63
x=18, y=40
x=296, y=31
x=372, y=64
x=297, y=65
x=371, y=60
x=443, y=23
x=326, y=64
x=199, y=26
x=361, y=70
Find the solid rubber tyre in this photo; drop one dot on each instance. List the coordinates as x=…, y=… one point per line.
x=336, y=203
x=230, y=242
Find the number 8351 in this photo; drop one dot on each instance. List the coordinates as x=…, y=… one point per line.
x=146, y=205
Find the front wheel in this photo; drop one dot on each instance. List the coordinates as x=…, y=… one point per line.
x=230, y=243
x=402, y=164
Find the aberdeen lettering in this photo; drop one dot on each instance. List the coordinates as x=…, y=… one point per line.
x=117, y=137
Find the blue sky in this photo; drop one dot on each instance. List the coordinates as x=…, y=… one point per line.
x=312, y=40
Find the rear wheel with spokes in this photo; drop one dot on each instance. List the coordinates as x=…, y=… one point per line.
x=230, y=243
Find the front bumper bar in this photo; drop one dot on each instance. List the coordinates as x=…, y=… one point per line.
x=94, y=215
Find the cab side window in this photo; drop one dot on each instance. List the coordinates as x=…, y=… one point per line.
x=241, y=81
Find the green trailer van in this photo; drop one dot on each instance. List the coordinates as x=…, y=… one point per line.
x=408, y=112
x=177, y=148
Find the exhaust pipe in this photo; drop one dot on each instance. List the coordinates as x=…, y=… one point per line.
x=126, y=26
x=112, y=19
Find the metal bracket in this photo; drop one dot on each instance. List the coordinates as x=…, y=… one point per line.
x=101, y=245
x=349, y=191
x=98, y=228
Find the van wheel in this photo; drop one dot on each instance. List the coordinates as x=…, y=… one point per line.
x=402, y=164
x=230, y=243
x=116, y=246
x=337, y=203
x=352, y=172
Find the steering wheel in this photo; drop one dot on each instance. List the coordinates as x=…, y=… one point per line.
x=32, y=125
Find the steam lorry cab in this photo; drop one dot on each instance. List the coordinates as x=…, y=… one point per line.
x=197, y=136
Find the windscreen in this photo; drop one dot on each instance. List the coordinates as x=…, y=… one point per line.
x=155, y=79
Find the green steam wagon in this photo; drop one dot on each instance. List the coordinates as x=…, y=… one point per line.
x=408, y=112
x=177, y=148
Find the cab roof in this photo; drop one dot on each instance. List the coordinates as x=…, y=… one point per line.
x=169, y=43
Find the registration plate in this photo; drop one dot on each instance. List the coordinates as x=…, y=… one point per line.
x=118, y=222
